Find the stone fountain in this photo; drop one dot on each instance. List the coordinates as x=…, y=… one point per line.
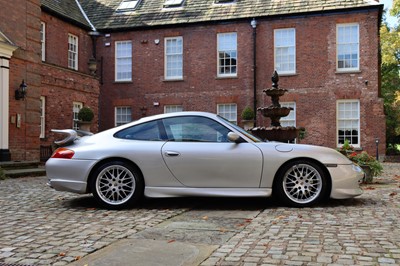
x=275, y=132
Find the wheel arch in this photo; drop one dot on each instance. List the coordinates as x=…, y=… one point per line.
x=107, y=160
x=323, y=167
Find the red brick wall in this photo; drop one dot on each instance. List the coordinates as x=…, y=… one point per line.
x=62, y=86
x=21, y=24
x=316, y=87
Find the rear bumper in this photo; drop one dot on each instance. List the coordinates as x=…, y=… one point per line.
x=69, y=175
x=346, y=181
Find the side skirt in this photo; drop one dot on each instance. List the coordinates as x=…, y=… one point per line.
x=166, y=192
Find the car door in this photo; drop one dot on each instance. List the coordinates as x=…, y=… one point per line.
x=199, y=154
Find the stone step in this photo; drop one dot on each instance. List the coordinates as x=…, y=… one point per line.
x=15, y=173
x=11, y=165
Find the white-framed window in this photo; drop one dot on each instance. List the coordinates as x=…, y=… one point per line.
x=174, y=58
x=173, y=3
x=76, y=106
x=228, y=111
x=285, y=50
x=42, y=117
x=173, y=108
x=72, y=51
x=123, y=115
x=123, y=61
x=227, y=54
x=348, y=47
x=348, y=122
x=128, y=5
x=289, y=120
x=224, y=1
x=43, y=40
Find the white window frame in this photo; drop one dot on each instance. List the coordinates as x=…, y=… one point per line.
x=228, y=111
x=172, y=108
x=76, y=106
x=348, y=117
x=173, y=69
x=224, y=46
x=289, y=120
x=123, y=60
x=42, y=117
x=349, y=45
x=124, y=114
x=285, y=50
x=43, y=40
x=128, y=5
x=73, y=42
x=173, y=3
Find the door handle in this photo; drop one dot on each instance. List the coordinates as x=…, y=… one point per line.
x=172, y=153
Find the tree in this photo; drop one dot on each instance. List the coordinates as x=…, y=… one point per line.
x=390, y=50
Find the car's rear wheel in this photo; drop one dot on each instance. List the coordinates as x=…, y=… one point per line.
x=117, y=185
x=301, y=184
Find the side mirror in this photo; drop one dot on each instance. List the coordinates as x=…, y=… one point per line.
x=234, y=137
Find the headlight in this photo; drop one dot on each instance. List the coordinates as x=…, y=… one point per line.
x=357, y=168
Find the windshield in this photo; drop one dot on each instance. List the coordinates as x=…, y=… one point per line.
x=241, y=130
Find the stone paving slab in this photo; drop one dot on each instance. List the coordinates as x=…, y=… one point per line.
x=40, y=226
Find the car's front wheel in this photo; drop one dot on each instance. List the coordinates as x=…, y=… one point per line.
x=117, y=185
x=301, y=184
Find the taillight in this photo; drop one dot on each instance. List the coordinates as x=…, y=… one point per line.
x=63, y=153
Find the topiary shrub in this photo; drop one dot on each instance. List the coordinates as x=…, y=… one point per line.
x=85, y=114
x=248, y=114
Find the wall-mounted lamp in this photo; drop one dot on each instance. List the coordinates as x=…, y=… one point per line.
x=20, y=93
x=143, y=110
x=253, y=23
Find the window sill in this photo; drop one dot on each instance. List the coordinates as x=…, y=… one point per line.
x=226, y=77
x=122, y=81
x=348, y=71
x=287, y=74
x=173, y=80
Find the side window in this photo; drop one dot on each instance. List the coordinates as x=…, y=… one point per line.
x=146, y=131
x=195, y=129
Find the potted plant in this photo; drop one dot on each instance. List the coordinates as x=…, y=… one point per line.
x=248, y=118
x=85, y=116
x=368, y=163
x=346, y=148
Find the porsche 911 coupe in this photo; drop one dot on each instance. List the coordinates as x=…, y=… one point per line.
x=196, y=154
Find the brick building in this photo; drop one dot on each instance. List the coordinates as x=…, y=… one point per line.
x=156, y=56
x=215, y=55
x=37, y=43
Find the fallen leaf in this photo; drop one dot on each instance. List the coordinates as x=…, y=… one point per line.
x=62, y=254
x=171, y=241
x=369, y=188
x=205, y=218
x=248, y=220
x=77, y=257
x=393, y=194
x=281, y=217
x=222, y=230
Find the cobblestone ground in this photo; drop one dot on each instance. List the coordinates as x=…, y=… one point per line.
x=39, y=226
x=361, y=231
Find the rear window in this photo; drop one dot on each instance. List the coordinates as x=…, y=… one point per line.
x=146, y=131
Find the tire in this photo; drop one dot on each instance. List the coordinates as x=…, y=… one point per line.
x=301, y=184
x=117, y=185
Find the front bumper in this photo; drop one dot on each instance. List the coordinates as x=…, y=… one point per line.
x=346, y=181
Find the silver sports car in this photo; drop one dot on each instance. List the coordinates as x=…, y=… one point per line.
x=196, y=154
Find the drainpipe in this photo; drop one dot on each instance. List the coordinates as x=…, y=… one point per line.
x=253, y=24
